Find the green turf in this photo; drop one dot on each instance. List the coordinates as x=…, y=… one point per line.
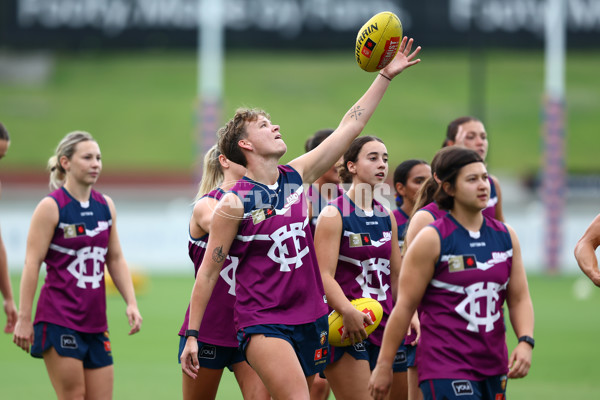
x=141, y=106
x=146, y=366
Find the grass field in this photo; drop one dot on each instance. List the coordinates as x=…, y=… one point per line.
x=141, y=106
x=564, y=360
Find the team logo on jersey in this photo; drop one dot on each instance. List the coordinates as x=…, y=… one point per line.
x=79, y=267
x=71, y=231
x=262, y=214
x=107, y=346
x=503, y=382
x=500, y=396
x=462, y=388
x=482, y=305
x=68, y=342
x=359, y=239
x=228, y=273
x=371, y=278
x=284, y=241
x=462, y=263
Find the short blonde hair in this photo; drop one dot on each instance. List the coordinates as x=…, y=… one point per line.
x=234, y=130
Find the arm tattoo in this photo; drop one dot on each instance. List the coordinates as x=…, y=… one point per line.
x=356, y=112
x=218, y=255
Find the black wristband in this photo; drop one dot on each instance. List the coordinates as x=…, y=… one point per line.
x=527, y=339
x=385, y=77
x=191, y=332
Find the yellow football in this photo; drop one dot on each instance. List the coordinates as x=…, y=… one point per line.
x=336, y=322
x=378, y=41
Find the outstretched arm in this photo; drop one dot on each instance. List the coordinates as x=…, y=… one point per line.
x=314, y=163
x=585, y=251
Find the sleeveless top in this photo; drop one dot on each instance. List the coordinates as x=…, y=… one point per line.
x=73, y=294
x=463, y=333
x=217, y=326
x=402, y=222
x=363, y=268
x=278, y=279
x=318, y=203
x=433, y=209
x=490, y=210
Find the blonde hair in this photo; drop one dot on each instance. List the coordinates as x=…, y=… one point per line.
x=212, y=173
x=65, y=148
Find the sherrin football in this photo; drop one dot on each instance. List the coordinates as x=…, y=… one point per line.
x=378, y=41
x=336, y=321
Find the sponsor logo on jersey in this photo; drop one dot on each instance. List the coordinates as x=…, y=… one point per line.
x=462, y=263
x=462, y=388
x=207, y=352
x=71, y=231
x=359, y=239
x=500, y=396
x=68, y=342
x=107, y=346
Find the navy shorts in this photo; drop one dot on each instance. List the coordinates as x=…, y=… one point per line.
x=364, y=350
x=309, y=341
x=401, y=359
x=492, y=388
x=411, y=356
x=212, y=356
x=91, y=348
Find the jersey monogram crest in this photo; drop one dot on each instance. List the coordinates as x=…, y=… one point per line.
x=480, y=307
x=79, y=269
x=228, y=273
x=371, y=266
x=280, y=251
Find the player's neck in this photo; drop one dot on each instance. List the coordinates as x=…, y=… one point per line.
x=470, y=219
x=263, y=171
x=362, y=197
x=79, y=192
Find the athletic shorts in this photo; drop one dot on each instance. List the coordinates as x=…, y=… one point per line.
x=492, y=388
x=309, y=341
x=400, y=360
x=411, y=356
x=364, y=350
x=91, y=348
x=212, y=356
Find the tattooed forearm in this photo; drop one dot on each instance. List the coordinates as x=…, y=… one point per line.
x=218, y=255
x=356, y=112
